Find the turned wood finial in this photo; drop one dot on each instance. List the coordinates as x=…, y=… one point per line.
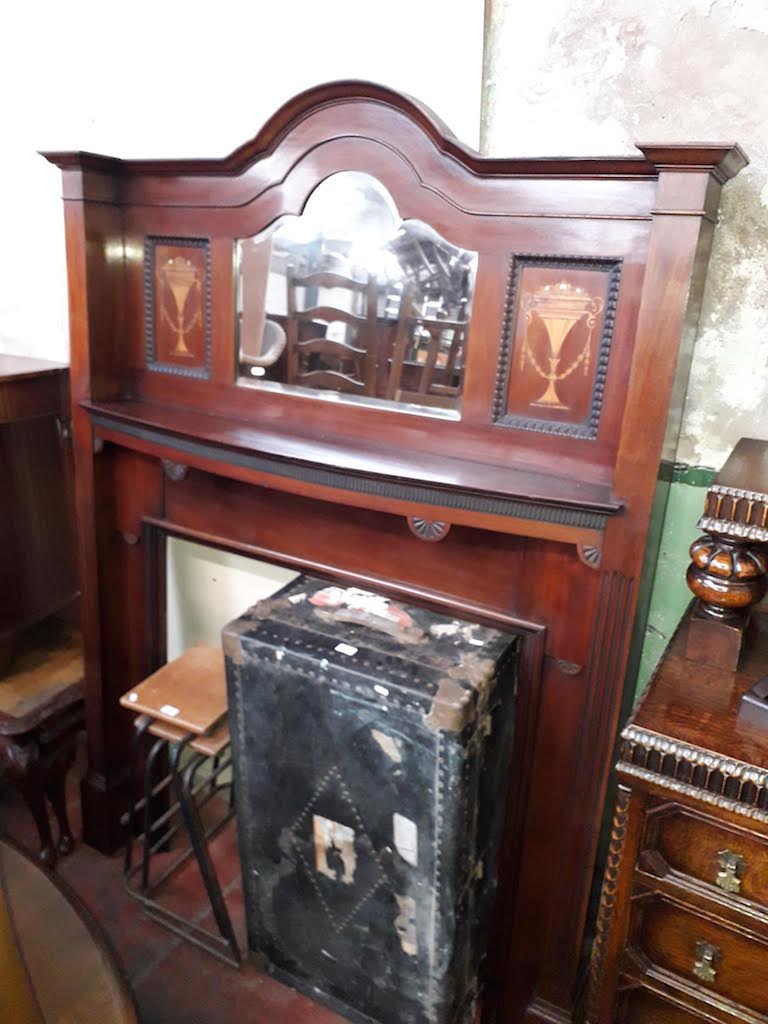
x=727, y=577
x=727, y=573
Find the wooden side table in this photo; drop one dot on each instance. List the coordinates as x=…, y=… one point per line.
x=41, y=714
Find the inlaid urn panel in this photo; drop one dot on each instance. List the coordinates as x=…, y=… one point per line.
x=556, y=344
x=177, y=305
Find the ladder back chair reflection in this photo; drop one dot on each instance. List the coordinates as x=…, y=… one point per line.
x=427, y=361
x=318, y=361
x=182, y=712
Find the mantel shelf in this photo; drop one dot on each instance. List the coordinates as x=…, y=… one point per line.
x=471, y=492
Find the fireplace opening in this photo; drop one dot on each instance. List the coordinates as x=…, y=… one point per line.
x=358, y=862
x=207, y=587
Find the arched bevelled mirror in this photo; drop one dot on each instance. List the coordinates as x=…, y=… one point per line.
x=349, y=301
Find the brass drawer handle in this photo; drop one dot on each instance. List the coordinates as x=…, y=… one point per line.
x=731, y=868
x=707, y=959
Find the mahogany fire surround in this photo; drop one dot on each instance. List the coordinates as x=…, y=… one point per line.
x=539, y=518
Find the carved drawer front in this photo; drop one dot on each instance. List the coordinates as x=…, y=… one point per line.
x=710, y=956
x=731, y=859
x=639, y=1006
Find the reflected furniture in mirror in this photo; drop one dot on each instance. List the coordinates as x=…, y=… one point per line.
x=315, y=358
x=527, y=351
x=369, y=305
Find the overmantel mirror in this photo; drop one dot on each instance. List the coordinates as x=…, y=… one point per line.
x=349, y=302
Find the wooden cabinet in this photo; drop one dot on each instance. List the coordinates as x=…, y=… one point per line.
x=40, y=659
x=681, y=943
x=683, y=925
x=37, y=548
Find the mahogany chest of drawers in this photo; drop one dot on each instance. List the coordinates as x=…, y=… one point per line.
x=682, y=933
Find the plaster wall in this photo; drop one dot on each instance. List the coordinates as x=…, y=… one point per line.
x=591, y=77
x=579, y=77
x=148, y=79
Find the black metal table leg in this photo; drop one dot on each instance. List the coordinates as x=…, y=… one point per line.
x=191, y=815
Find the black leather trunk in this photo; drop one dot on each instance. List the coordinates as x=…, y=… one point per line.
x=371, y=745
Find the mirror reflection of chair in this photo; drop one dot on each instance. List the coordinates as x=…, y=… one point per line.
x=427, y=361
x=315, y=358
x=266, y=350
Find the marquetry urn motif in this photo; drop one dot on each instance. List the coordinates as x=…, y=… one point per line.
x=177, y=306
x=559, y=308
x=182, y=280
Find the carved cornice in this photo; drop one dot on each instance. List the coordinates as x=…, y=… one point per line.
x=607, y=902
x=724, y=160
x=695, y=772
x=694, y=792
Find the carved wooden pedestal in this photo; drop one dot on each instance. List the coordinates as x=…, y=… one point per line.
x=728, y=571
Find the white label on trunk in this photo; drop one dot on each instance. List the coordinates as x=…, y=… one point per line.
x=347, y=649
x=405, y=924
x=388, y=744
x=335, y=855
x=406, y=838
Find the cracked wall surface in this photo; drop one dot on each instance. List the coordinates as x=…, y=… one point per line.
x=588, y=77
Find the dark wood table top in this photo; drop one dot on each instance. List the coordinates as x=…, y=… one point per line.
x=19, y=367
x=699, y=704
x=44, y=677
x=55, y=965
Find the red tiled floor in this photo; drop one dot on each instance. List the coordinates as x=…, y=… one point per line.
x=174, y=982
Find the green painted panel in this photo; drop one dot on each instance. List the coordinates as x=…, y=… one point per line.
x=670, y=595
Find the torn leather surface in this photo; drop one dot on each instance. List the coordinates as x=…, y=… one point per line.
x=371, y=743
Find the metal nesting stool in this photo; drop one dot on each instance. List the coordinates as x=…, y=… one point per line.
x=183, y=708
